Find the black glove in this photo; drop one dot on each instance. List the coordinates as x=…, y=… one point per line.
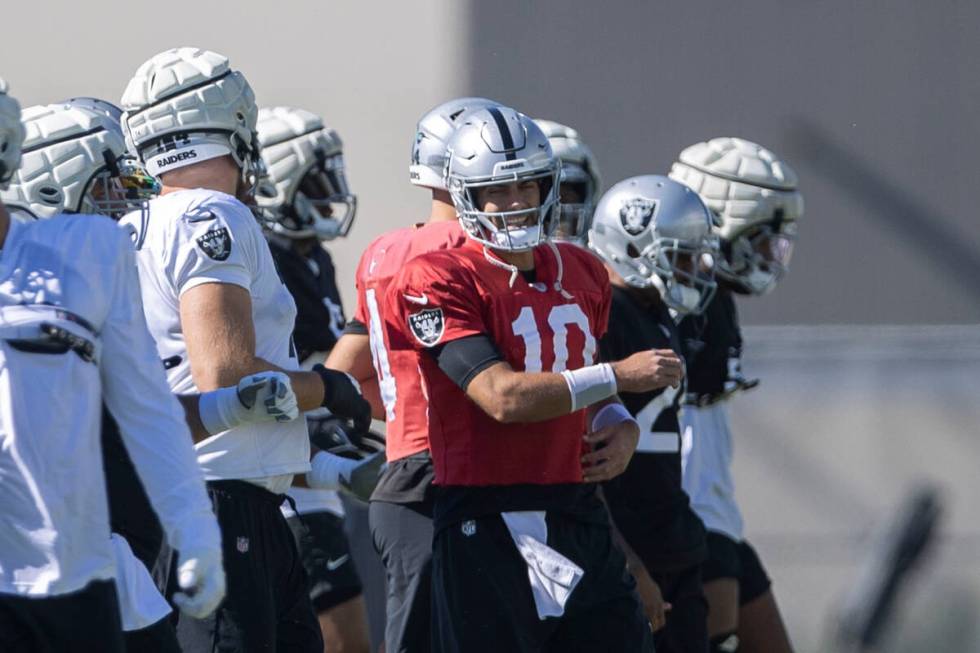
x=334, y=435
x=342, y=397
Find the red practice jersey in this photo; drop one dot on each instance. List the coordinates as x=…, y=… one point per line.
x=398, y=374
x=549, y=325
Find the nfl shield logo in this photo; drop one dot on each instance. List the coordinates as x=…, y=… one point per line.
x=636, y=215
x=427, y=326
x=242, y=544
x=216, y=243
x=469, y=528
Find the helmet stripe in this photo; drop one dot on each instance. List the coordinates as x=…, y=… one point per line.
x=505, y=136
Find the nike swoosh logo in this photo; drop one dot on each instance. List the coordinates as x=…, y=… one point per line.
x=333, y=564
x=421, y=299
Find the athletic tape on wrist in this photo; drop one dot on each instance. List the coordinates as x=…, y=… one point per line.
x=609, y=415
x=219, y=409
x=590, y=384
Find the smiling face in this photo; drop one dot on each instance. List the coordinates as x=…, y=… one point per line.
x=516, y=196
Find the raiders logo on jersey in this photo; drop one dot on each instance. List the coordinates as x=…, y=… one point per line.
x=216, y=243
x=427, y=326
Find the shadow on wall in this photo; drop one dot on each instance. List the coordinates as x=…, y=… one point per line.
x=875, y=107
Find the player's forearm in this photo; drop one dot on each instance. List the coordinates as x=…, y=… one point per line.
x=192, y=416
x=371, y=390
x=521, y=396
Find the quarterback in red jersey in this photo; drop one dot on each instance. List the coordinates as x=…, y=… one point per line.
x=504, y=332
x=401, y=506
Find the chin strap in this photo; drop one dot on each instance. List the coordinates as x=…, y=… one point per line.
x=561, y=271
x=501, y=264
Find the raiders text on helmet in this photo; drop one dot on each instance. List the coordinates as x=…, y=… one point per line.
x=579, y=174
x=75, y=161
x=656, y=232
x=754, y=197
x=187, y=105
x=495, y=146
x=303, y=191
x=11, y=136
x=432, y=135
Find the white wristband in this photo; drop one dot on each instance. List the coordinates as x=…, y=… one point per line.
x=327, y=469
x=588, y=385
x=220, y=409
x=609, y=415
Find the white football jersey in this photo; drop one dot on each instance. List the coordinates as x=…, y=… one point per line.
x=72, y=335
x=192, y=237
x=706, y=459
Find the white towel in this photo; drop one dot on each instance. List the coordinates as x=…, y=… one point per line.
x=553, y=577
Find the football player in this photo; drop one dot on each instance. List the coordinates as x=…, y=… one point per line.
x=304, y=201
x=753, y=195
x=75, y=161
x=401, y=506
x=654, y=235
x=73, y=335
x=219, y=311
x=580, y=181
x=504, y=328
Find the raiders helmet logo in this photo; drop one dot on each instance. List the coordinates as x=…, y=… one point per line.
x=427, y=326
x=636, y=215
x=216, y=243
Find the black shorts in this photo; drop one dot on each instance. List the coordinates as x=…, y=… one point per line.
x=482, y=599
x=267, y=604
x=327, y=559
x=403, y=538
x=728, y=558
x=159, y=637
x=686, y=629
x=79, y=622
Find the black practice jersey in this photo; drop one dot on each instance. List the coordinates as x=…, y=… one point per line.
x=311, y=280
x=712, y=345
x=647, y=502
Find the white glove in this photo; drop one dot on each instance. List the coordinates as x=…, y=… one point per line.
x=262, y=397
x=358, y=477
x=201, y=579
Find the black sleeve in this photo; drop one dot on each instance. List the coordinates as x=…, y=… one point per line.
x=355, y=327
x=464, y=358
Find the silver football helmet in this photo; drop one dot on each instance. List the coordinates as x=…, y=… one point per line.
x=303, y=192
x=656, y=232
x=755, y=199
x=75, y=161
x=496, y=146
x=187, y=105
x=11, y=136
x=580, y=181
x=432, y=135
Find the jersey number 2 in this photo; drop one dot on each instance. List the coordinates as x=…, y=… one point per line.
x=559, y=318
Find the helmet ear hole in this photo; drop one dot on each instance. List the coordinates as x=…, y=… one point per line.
x=632, y=251
x=50, y=195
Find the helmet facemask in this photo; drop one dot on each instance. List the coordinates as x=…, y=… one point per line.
x=122, y=186
x=322, y=205
x=683, y=272
x=515, y=231
x=577, y=193
x=759, y=257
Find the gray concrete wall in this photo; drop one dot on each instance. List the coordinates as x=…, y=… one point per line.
x=369, y=68
x=874, y=103
x=846, y=422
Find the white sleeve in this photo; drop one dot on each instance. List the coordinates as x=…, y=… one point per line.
x=151, y=420
x=213, y=244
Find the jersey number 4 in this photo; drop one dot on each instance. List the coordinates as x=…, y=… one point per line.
x=559, y=319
